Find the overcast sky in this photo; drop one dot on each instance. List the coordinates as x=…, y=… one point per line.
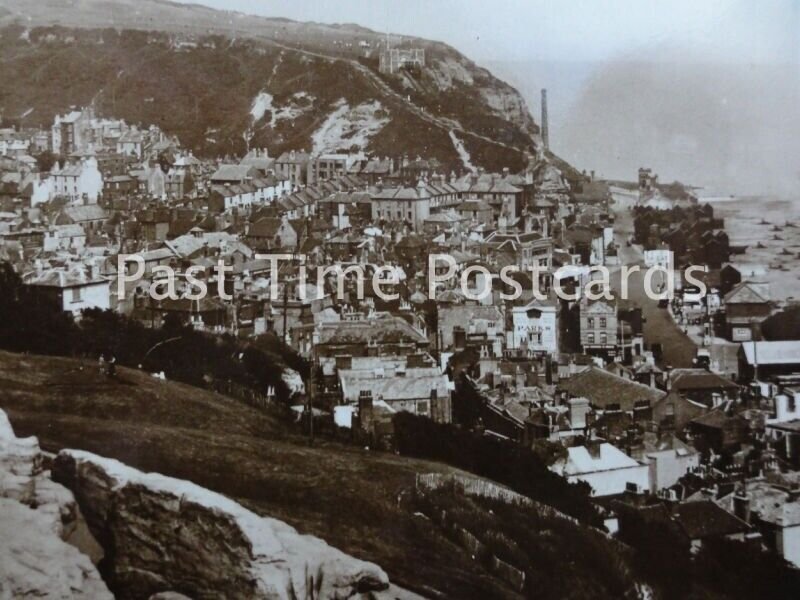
x=732, y=127
x=738, y=31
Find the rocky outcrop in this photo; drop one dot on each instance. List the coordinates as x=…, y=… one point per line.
x=163, y=534
x=45, y=546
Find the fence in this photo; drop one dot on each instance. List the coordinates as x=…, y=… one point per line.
x=485, y=489
x=470, y=486
x=244, y=393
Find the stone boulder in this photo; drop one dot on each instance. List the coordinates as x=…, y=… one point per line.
x=163, y=534
x=36, y=563
x=46, y=549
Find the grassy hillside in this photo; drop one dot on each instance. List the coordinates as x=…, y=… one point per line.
x=196, y=73
x=346, y=496
x=357, y=500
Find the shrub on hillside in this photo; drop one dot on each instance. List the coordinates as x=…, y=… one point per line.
x=503, y=461
x=181, y=352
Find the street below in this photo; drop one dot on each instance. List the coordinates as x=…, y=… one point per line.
x=678, y=349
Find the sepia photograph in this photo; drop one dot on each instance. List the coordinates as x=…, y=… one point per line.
x=399, y=299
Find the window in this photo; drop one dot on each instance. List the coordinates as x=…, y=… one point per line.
x=604, y=338
x=603, y=322
x=590, y=322
x=74, y=295
x=590, y=338
x=422, y=407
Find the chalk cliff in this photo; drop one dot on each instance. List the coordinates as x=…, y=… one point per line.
x=163, y=534
x=45, y=547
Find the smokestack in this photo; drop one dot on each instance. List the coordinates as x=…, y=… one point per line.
x=545, y=129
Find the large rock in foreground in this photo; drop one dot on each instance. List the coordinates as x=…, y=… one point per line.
x=161, y=534
x=36, y=563
x=46, y=550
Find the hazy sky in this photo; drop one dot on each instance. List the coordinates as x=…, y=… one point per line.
x=739, y=31
x=718, y=109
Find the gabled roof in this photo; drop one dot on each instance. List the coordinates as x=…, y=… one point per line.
x=696, y=519
x=698, y=379
x=598, y=307
x=410, y=387
x=262, y=163
x=377, y=166
x=266, y=227
x=85, y=212
x=294, y=157
x=704, y=519
x=717, y=419
x=462, y=314
x=61, y=278
x=347, y=198
x=398, y=193
x=581, y=462
x=746, y=293
x=380, y=328
x=604, y=389
x=231, y=173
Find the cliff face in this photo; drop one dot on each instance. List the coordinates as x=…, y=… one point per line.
x=342, y=494
x=223, y=82
x=45, y=547
x=158, y=537
x=163, y=534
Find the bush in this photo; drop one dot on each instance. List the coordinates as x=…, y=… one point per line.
x=505, y=462
x=181, y=352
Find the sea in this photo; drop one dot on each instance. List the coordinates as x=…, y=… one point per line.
x=770, y=228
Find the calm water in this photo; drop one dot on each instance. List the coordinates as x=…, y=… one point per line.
x=743, y=223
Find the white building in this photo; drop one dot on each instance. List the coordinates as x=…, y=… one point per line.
x=535, y=327
x=131, y=143
x=81, y=183
x=786, y=406
x=669, y=462
x=64, y=237
x=74, y=290
x=605, y=468
x=774, y=509
x=659, y=257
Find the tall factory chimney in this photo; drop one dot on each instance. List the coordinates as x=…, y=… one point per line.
x=545, y=131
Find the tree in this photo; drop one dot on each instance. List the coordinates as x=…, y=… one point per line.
x=46, y=160
x=742, y=570
x=784, y=325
